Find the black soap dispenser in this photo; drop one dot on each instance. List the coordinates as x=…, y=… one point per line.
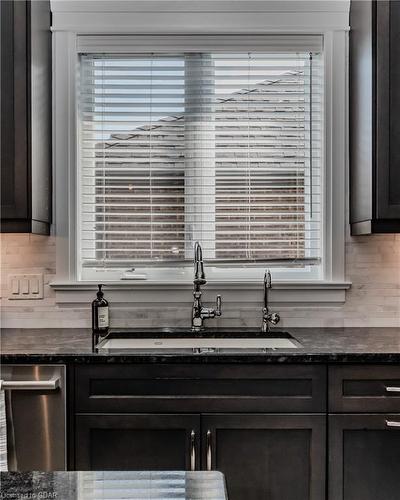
x=100, y=317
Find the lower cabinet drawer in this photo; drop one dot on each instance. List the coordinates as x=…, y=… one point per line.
x=371, y=389
x=198, y=388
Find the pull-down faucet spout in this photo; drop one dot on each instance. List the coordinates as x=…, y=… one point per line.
x=199, y=275
x=268, y=318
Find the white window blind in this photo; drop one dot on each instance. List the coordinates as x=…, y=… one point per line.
x=221, y=145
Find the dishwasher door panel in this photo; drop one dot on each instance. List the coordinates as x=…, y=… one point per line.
x=35, y=414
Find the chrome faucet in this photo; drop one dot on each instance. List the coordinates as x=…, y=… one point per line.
x=200, y=313
x=268, y=318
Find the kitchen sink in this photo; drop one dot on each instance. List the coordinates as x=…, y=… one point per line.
x=125, y=341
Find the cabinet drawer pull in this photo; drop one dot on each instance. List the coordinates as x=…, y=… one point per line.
x=192, y=450
x=393, y=424
x=392, y=389
x=209, y=464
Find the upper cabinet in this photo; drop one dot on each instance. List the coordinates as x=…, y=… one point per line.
x=374, y=117
x=25, y=116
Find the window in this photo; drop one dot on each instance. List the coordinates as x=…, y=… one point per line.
x=215, y=143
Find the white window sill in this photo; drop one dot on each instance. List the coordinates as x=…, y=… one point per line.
x=238, y=292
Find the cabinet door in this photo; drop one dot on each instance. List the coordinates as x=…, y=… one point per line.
x=137, y=442
x=14, y=106
x=364, y=457
x=388, y=109
x=274, y=457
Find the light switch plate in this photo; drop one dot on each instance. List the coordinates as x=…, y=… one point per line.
x=25, y=286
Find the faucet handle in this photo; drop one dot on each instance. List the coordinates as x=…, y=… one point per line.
x=218, y=310
x=274, y=318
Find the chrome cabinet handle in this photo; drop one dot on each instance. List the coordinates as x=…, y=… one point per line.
x=30, y=385
x=192, y=450
x=392, y=389
x=393, y=424
x=209, y=450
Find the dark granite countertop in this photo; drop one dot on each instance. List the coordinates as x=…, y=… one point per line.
x=319, y=345
x=120, y=485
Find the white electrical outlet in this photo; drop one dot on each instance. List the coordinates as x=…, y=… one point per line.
x=25, y=286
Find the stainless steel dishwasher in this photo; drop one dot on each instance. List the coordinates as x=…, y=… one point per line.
x=35, y=415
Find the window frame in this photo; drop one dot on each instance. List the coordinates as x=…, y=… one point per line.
x=160, y=272
x=65, y=136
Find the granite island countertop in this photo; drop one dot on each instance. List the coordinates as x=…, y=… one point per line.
x=120, y=485
x=319, y=345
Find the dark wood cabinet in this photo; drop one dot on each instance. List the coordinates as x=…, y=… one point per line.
x=374, y=116
x=279, y=457
x=25, y=116
x=247, y=422
x=364, y=457
x=262, y=426
x=261, y=455
x=137, y=442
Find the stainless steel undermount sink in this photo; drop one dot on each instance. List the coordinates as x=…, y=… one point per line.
x=132, y=342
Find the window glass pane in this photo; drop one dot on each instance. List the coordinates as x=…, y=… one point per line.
x=221, y=147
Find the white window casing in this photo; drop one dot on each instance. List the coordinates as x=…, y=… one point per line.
x=327, y=286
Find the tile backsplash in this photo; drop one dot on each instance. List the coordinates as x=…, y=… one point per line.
x=372, y=265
